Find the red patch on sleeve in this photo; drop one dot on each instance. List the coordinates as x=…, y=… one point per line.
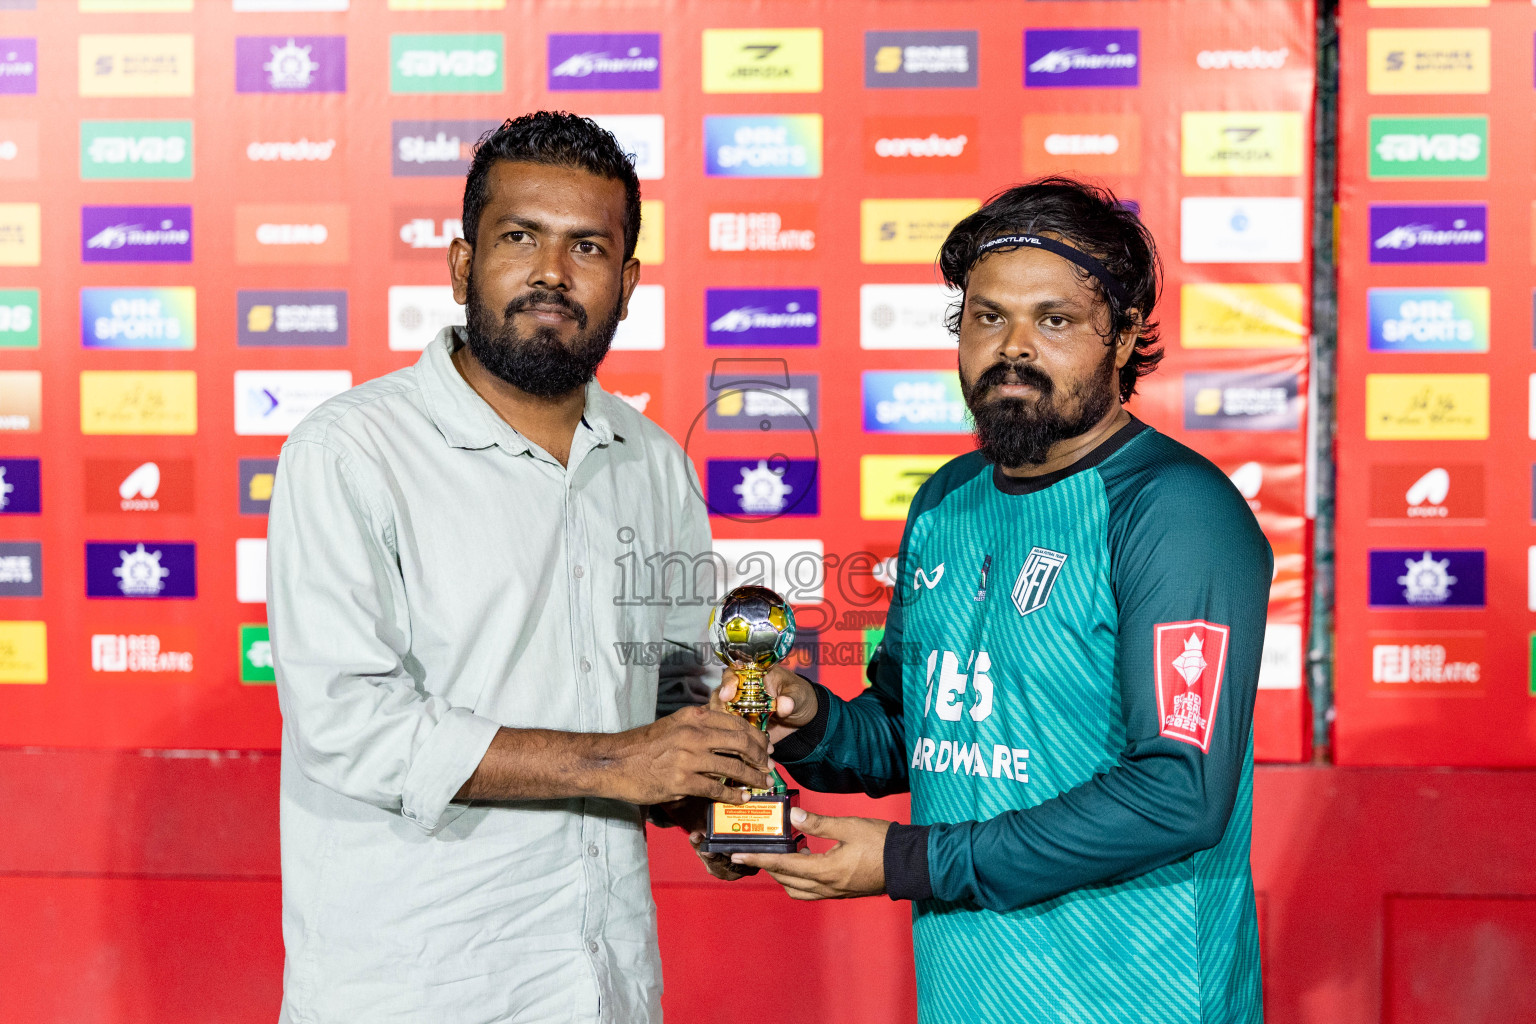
x=1190, y=658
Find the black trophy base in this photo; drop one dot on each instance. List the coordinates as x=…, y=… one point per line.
x=761, y=825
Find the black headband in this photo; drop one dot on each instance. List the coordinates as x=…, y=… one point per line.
x=1109, y=281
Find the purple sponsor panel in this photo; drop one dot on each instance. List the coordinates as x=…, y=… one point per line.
x=21, y=491
x=140, y=569
x=762, y=316
x=764, y=487
x=1450, y=233
x=136, y=234
x=18, y=67
x=604, y=61
x=1428, y=578
x=1079, y=58
x=291, y=64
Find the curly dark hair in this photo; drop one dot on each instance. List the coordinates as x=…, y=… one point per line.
x=1090, y=218
x=562, y=140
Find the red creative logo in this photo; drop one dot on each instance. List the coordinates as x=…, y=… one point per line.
x=1433, y=663
x=790, y=229
x=920, y=145
x=1190, y=657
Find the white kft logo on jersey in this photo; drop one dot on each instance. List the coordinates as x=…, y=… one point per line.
x=1033, y=587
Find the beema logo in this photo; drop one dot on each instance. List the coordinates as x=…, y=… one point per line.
x=138, y=489
x=1434, y=493
x=1249, y=480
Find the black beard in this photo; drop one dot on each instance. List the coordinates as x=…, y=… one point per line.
x=538, y=363
x=1017, y=431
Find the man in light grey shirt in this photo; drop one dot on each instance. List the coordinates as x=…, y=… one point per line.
x=452, y=577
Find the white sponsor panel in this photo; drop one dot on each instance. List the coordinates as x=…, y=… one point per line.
x=251, y=570
x=1280, y=664
x=643, y=136
x=272, y=402
x=645, y=328
x=1241, y=229
x=1530, y=578
x=417, y=312
x=904, y=316
x=795, y=568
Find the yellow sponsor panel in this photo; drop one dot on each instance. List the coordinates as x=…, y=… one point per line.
x=1426, y=406
x=1241, y=316
x=887, y=483
x=650, y=247
x=908, y=230
x=138, y=402
x=135, y=6
x=447, y=5
x=21, y=234
x=23, y=652
x=762, y=60
x=136, y=65
x=1235, y=143
x=1403, y=61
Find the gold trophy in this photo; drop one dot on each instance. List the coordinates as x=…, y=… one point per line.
x=752, y=629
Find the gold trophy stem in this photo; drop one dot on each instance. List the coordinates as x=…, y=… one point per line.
x=753, y=703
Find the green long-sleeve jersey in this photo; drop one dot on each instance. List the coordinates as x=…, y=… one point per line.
x=1066, y=686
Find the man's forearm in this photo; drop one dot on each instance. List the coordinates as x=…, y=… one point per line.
x=541, y=764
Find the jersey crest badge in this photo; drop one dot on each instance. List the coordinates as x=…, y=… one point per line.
x=1191, y=658
x=1033, y=587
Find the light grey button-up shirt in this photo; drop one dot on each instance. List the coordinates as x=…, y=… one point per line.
x=433, y=576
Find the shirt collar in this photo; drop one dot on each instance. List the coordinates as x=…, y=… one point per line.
x=466, y=421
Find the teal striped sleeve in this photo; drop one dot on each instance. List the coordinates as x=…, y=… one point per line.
x=1185, y=554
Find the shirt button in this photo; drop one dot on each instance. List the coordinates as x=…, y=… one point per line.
x=592, y=850
x=592, y=947
x=586, y=666
x=579, y=572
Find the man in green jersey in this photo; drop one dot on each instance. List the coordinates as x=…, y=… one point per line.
x=1067, y=676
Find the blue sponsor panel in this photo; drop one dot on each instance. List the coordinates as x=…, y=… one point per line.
x=759, y=406
x=920, y=60
x=21, y=568
x=290, y=64
x=140, y=569
x=1428, y=578
x=604, y=61
x=914, y=402
x=1449, y=233
x=1057, y=58
x=312, y=319
x=762, y=487
x=763, y=146
x=138, y=318
x=21, y=489
x=762, y=316
x=1429, y=319
x=1241, y=401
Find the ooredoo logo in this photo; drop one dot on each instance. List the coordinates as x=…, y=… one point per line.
x=1254, y=58
x=300, y=150
x=921, y=145
x=291, y=233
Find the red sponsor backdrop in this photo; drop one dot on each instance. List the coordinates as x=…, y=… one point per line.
x=1232, y=60
x=1420, y=678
